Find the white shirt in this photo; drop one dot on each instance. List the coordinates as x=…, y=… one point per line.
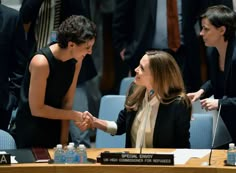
x=143, y=126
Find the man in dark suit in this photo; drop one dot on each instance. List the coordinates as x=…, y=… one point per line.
x=29, y=11
x=134, y=29
x=13, y=59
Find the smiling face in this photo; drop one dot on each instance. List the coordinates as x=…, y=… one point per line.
x=143, y=75
x=81, y=50
x=212, y=36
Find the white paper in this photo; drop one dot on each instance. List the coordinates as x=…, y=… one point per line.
x=181, y=156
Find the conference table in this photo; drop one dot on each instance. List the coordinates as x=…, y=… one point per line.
x=194, y=165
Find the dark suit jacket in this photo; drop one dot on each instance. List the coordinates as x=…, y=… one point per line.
x=171, y=127
x=13, y=56
x=29, y=12
x=134, y=27
x=228, y=99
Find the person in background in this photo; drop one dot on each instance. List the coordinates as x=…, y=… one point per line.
x=49, y=85
x=41, y=20
x=218, y=31
x=139, y=26
x=13, y=50
x=157, y=110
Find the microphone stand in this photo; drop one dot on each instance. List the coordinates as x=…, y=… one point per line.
x=214, y=135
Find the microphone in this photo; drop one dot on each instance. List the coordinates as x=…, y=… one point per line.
x=214, y=135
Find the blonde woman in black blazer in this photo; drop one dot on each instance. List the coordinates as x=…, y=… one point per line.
x=157, y=110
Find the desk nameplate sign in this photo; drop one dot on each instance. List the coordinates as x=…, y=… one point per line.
x=137, y=159
x=5, y=159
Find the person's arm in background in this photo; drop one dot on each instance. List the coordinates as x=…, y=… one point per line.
x=205, y=91
x=122, y=25
x=19, y=59
x=29, y=12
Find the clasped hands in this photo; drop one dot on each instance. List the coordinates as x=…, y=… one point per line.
x=86, y=121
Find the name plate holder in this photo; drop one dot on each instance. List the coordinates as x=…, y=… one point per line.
x=136, y=159
x=5, y=159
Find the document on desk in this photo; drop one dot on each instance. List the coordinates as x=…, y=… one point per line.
x=181, y=156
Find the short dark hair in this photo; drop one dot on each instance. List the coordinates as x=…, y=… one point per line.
x=77, y=29
x=221, y=15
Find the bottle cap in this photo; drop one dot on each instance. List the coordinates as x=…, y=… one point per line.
x=59, y=145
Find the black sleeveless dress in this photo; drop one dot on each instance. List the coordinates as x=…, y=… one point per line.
x=34, y=131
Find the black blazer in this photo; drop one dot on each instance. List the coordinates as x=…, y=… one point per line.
x=228, y=99
x=171, y=127
x=13, y=56
x=134, y=27
x=29, y=13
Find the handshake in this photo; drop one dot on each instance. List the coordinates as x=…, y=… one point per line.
x=85, y=121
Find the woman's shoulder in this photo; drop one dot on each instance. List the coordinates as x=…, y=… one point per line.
x=39, y=60
x=39, y=64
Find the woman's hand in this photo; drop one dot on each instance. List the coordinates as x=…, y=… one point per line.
x=85, y=121
x=209, y=104
x=196, y=95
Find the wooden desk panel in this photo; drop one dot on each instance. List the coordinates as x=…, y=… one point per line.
x=194, y=165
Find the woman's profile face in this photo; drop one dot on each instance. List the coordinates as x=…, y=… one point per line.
x=143, y=75
x=211, y=35
x=81, y=50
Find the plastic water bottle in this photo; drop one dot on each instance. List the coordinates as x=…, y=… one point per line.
x=82, y=153
x=231, y=154
x=70, y=155
x=59, y=154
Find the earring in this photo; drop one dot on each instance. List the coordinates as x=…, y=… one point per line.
x=151, y=92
